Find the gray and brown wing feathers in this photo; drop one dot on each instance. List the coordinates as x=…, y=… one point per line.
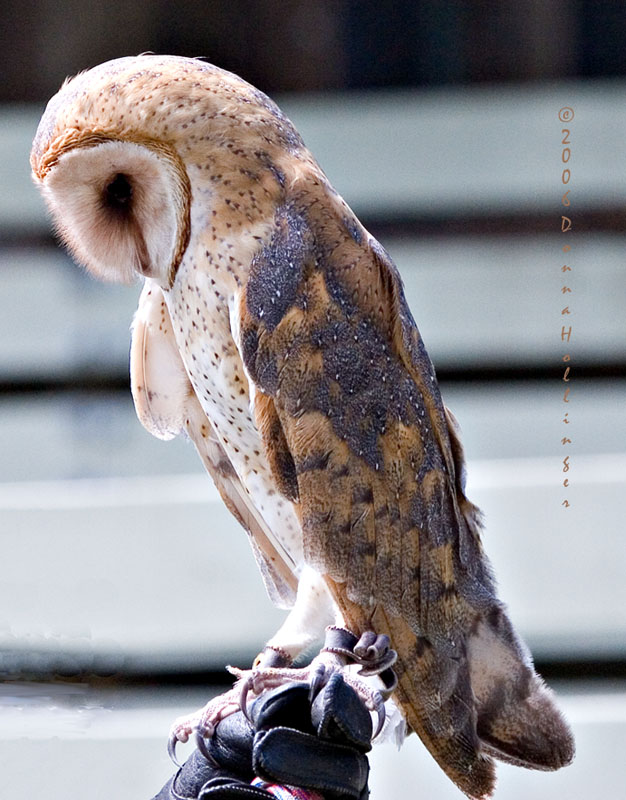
x=367, y=451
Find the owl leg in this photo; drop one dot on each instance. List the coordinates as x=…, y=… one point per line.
x=312, y=612
x=341, y=648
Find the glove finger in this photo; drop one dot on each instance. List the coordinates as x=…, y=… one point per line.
x=289, y=756
x=287, y=707
x=339, y=715
x=231, y=745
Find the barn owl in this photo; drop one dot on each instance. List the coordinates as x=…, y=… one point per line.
x=273, y=329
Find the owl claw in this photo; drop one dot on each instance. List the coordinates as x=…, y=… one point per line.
x=372, y=652
x=172, y=741
x=318, y=678
x=379, y=710
x=317, y=675
x=202, y=723
x=246, y=686
x=202, y=747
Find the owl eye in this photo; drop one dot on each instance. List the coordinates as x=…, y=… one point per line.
x=118, y=195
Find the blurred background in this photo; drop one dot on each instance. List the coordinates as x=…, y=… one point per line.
x=125, y=587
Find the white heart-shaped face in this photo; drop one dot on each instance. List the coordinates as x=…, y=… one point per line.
x=117, y=206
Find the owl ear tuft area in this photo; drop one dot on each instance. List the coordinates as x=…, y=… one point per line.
x=122, y=208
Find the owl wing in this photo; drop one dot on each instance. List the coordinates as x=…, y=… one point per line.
x=166, y=404
x=351, y=418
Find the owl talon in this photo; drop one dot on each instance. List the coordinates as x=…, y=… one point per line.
x=202, y=747
x=317, y=675
x=172, y=741
x=381, y=714
x=246, y=686
x=317, y=680
x=203, y=722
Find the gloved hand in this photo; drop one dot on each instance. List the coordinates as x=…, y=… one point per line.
x=317, y=747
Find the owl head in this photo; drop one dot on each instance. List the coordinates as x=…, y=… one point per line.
x=134, y=156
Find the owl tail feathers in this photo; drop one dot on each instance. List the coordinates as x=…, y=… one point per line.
x=485, y=701
x=435, y=696
x=528, y=733
x=518, y=720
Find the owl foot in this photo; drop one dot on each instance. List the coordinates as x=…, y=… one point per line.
x=202, y=723
x=271, y=670
x=341, y=648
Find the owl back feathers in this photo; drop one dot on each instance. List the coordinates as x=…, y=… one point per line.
x=328, y=338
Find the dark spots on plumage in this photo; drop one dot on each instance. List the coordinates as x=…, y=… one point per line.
x=250, y=174
x=277, y=270
x=362, y=494
x=449, y=591
x=494, y=617
x=344, y=528
x=422, y=646
x=340, y=472
x=225, y=468
x=314, y=461
x=364, y=549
